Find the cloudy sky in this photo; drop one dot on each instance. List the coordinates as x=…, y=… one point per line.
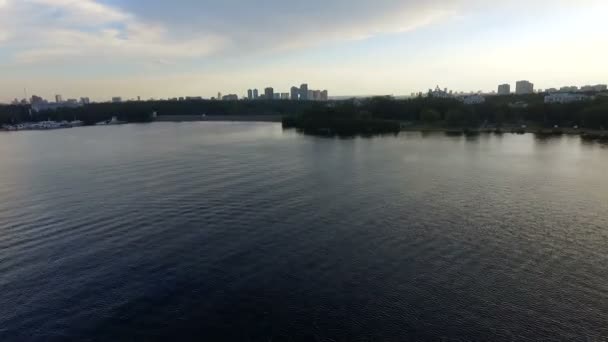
x=154, y=48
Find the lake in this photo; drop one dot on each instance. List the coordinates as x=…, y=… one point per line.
x=245, y=232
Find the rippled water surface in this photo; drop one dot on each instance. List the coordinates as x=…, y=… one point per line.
x=241, y=231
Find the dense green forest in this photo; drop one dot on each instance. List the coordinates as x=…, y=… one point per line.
x=375, y=114
x=341, y=118
x=497, y=111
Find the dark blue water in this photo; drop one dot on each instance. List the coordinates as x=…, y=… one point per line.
x=240, y=231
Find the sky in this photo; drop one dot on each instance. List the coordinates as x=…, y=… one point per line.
x=160, y=49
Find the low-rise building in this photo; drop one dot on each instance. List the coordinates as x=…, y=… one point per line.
x=518, y=105
x=230, y=97
x=565, y=98
x=594, y=88
x=473, y=99
x=568, y=89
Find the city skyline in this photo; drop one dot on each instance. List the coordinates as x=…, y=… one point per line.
x=302, y=92
x=132, y=48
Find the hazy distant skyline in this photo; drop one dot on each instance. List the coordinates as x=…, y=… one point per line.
x=133, y=48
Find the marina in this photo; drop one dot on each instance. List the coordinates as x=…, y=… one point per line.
x=43, y=125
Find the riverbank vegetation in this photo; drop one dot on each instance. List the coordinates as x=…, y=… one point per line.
x=141, y=111
x=356, y=116
x=343, y=118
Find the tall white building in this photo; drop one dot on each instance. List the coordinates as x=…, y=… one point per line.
x=524, y=87
x=504, y=89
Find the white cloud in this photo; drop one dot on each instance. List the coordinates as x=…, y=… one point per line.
x=83, y=11
x=49, y=31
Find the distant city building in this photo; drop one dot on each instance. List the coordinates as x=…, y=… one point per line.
x=504, y=89
x=38, y=103
x=117, y=99
x=473, y=100
x=58, y=99
x=594, y=88
x=518, y=104
x=295, y=93
x=250, y=94
x=524, y=88
x=230, y=97
x=310, y=95
x=36, y=100
x=85, y=100
x=439, y=93
x=194, y=98
x=284, y=96
x=551, y=90
x=256, y=94
x=568, y=89
x=276, y=96
x=304, y=92
x=324, y=95
x=565, y=98
x=269, y=93
x=316, y=95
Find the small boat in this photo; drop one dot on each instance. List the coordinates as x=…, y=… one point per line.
x=113, y=121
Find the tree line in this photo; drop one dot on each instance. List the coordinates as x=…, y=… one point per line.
x=136, y=111
x=497, y=110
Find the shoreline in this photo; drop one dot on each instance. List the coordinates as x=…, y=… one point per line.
x=505, y=130
x=211, y=118
x=465, y=131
